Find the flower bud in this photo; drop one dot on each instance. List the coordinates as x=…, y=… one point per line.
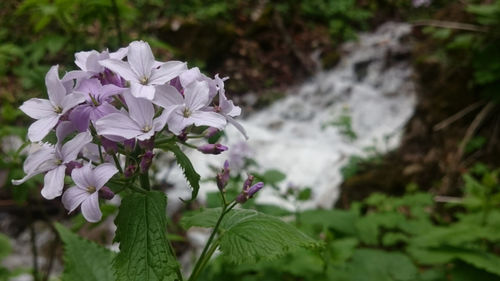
x=148, y=144
x=183, y=136
x=109, y=146
x=106, y=193
x=223, y=177
x=146, y=161
x=247, y=194
x=72, y=165
x=129, y=145
x=129, y=171
x=210, y=132
x=216, y=148
x=248, y=182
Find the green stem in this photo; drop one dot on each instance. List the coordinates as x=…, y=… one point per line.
x=117, y=163
x=209, y=249
x=188, y=145
x=144, y=178
x=177, y=268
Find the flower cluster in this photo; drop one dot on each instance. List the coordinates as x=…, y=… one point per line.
x=110, y=114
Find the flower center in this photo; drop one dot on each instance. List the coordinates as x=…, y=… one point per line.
x=58, y=109
x=94, y=101
x=186, y=112
x=144, y=80
x=146, y=129
x=91, y=189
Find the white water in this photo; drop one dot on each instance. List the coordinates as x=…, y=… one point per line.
x=372, y=82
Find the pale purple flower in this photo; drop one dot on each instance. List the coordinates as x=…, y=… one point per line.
x=97, y=103
x=53, y=160
x=138, y=123
x=249, y=192
x=194, y=74
x=88, y=182
x=226, y=107
x=210, y=148
x=142, y=71
x=48, y=112
x=190, y=109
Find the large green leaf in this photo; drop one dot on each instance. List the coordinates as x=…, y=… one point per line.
x=84, y=260
x=5, y=247
x=189, y=172
x=249, y=236
x=141, y=231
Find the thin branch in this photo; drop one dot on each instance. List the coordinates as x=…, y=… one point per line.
x=476, y=123
x=448, y=199
x=457, y=116
x=451, y=25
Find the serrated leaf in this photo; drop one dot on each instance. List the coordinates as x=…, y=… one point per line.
x=189, y=172
x=249, y=236
x=84, y=260
x=141, y=231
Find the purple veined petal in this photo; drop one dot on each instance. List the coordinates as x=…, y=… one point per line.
x=70, y=101
x=81, y=58
x=142, y=91
x=90, y=208
x=89, y=86
x=73, y=197
x=196, y=95
x=119, y=54
x=141, y=59
x=167, y=96
x=146, y=136
x=69, y=78
x=122, y=68
x=80, y=117
x=36, y=163
x=63, y=129
x=103, y=173
x=38, y=108
x=70, y=150
x=167, y=72
x=102, y=110
x=189, y=76
x=109, y=90
x=39, y=129
x=206, y=118
x=140, y=110
x=53, y=182
x=83, y=177
x=55, y=88
x=176, y=121
x=237, y=125
x=119, y=125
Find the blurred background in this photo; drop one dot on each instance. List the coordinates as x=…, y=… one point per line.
x=374, y=124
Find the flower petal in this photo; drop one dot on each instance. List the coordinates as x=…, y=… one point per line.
x=196, y=95
x=73, y=197
x=70, y=101
x=83, y=177
x=103, y=173
x=90, y=208
x=142, y=91
x=237, y=125
x=140, y=110
x=119, y=54
x=80, y=117
x=122, y=68
x=118, y=124
x=38, y=130
x=208, y=118
x=38, y=108
x=54, y=182
x=70, y=150
x=167, y=72
x=140, y=58
x=167, y=96
x=63, y=130
x=55, y=88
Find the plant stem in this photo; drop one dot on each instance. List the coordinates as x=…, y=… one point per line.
x=144, y=178
x=210, y=249
x=177, y=268
x=117, y=163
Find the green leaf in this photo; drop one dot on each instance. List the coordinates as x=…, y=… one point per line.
x=141, y=231
x=189, y=172
x=5, y=247
x=273, y=176
x=84, y=260
x=247, y=236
